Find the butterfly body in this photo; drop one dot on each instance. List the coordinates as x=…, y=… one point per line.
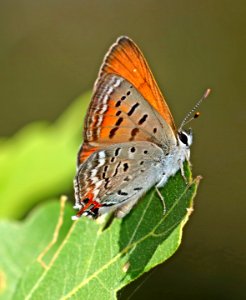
x=130, y=140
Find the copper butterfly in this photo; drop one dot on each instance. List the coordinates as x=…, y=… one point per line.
x=131, y=142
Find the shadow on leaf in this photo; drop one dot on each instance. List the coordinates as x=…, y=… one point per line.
x=146, y=228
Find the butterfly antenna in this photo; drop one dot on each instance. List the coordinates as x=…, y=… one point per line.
x=187, y=118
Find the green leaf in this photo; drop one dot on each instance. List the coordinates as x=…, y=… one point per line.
x=39, y=161
x=22, y=242
x=89, y=260
x=95, y=260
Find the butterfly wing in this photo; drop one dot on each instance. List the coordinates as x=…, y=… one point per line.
x=113, y=177
x=119, y=113
x=127, y=133
x=125, y=59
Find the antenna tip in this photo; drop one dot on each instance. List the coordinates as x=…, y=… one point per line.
x=208, y=91
x=196, y=115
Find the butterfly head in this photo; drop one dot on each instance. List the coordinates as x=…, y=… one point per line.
x=185, y=138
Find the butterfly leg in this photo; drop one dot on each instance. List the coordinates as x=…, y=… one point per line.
x=181, y=165
x=162, y=200
x=187, y=157
x=125, y=208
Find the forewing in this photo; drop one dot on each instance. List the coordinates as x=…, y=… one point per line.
x=125, y=59
x=119, y=113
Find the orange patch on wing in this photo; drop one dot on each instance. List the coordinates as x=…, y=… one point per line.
x=85, y=151
x=89, y=202
x=126, y=60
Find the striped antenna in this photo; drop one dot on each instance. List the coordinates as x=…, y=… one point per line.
x=187, y=118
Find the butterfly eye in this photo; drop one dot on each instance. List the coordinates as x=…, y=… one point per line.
x=183, y=138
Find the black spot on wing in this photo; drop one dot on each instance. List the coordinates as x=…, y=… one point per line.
x=125, y=167
x=122, y=193
x=113, y=132
x=117, y=169
x=117, y=151
x=138, y=189
x=133, y=108
x=106, y=185
x=134, y=132
x=86, y=200
x=143, y=119
x=119, y=121
x=118, y=103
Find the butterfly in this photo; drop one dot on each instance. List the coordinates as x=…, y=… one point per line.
x=131, y=143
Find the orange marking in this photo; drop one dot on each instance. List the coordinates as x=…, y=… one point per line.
x=126, y=60
x=89, y=203
x=85, y=152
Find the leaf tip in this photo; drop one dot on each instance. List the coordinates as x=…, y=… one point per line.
x=198, y=179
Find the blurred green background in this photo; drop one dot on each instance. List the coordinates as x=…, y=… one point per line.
x=50, y=53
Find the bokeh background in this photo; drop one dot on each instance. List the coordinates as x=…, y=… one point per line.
x=50, y=53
